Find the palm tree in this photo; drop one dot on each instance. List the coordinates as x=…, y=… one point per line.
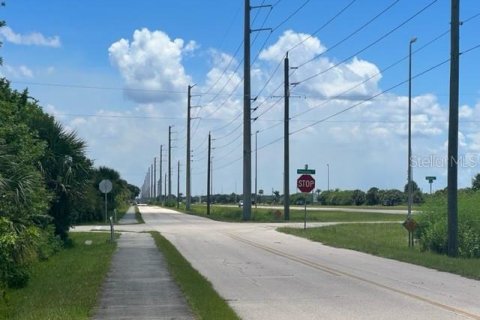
x=66, y=170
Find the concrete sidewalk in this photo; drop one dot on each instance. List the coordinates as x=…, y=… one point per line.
x=139, y=286
x=129, y=217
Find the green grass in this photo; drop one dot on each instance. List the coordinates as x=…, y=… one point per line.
x=203, y=299
x=138, y=215
x=65, y=286
x=230, y=214
x=386, y=240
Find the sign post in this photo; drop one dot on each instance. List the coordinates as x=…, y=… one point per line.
x=305, y=183
x=430, y=180
x=105, y=187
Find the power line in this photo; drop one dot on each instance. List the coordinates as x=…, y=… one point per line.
x=371, y=98
x=291, y=15
x=363, y=26
x=339, y=96
x=338, y=14
x=370, y=45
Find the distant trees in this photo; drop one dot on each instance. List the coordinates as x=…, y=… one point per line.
x=374, y=196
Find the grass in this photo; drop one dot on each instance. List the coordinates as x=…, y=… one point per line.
x=66, y=286
x=138, y=215
x=203, y=299
x=387, y=240
x=230, y=214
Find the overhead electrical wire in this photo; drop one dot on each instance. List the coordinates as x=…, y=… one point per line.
x=385, y=35
x=370, y=98
x=382, y=71
x=363, y=26
x=328, y=22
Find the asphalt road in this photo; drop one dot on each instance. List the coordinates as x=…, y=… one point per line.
x=264, y=274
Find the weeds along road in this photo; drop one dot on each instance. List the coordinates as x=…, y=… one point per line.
x=264, y=274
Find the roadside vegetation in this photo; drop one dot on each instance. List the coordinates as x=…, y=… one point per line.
x=66, y=286
x=389, y=241
x=203, y=299
x=432, y=223
x=47, y=184
x=229, y=214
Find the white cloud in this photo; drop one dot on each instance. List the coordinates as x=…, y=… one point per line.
x=465, y=112
x=327, y=80
x=31, y=39
x=151, y=65
x=20, y=72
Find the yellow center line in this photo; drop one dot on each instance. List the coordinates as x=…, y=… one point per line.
x=334, y=272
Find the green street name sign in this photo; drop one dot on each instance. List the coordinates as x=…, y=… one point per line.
x=431, y=178
x=306, y=170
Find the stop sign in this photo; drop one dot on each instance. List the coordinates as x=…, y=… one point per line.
x=306, y=183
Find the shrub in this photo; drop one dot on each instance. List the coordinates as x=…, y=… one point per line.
x=20, y=245
x=432, y=224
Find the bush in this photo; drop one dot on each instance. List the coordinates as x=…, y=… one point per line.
x=432, y=224
x=20, y=245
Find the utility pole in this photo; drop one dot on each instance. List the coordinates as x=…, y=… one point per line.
x=169, y=161
x=286, y=146
x=154, y=178
x=178, y=185
x=148, y=183
x=188, y=160
x=453, y=131
x=208, y=173
x=165, y=196
x=160, y=174
x=247, y=143
x=151, y=181
x=247, y=134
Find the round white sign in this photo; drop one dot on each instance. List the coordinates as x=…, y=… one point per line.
x=105, y=186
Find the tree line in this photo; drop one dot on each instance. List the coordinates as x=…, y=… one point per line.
x=47, y=183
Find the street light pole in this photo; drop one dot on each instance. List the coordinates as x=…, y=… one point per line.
x=328, y=177
x=410, y=196
x=256, y=149
x=409, y=180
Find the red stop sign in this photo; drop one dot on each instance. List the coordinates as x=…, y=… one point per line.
x=306, y=183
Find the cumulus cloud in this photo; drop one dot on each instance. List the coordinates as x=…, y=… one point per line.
x=20, y=72
x=348, y=79
x=151, y=65
x=30, y=39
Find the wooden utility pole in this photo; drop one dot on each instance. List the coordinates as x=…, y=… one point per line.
x=286, y=147
x=453, y=131
x=208, y=172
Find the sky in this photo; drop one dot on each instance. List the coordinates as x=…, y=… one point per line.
x=117, y=73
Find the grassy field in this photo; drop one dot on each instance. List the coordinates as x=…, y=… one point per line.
x=66, y=285
x=386, y=240
x=232, y=214
x=203, y=299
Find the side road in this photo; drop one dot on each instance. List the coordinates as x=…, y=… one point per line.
x=139, y=285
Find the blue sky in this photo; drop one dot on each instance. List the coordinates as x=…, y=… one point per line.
x=121, y=95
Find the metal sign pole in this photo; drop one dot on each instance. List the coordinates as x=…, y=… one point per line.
x=105, y=207
x=305, y=213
